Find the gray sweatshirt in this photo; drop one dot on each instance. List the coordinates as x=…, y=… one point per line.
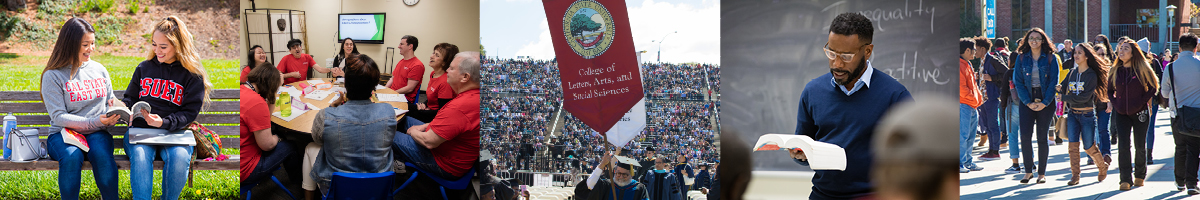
x=77, y=102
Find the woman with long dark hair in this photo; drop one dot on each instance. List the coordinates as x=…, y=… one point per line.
x=1034, y=78
x=1132, y=85
x=174, y=83
x=339, y=61
x=256, y=57
x=1081, y=95
x=78, y=92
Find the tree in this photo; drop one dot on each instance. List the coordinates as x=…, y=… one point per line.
x=581, y=23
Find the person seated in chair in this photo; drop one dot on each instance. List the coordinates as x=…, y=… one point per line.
x=354, y=134
x=448, y=146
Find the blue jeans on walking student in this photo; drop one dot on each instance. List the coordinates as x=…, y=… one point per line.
x=1081, y=128
x=176, y=160
x=70, y=164
x=1150, y=130
x=1103, y=137
x=1014, y=131
x=408, y=150
x=968, y=121
x=989, y=122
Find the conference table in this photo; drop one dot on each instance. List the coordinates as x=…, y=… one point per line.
x=303, y=124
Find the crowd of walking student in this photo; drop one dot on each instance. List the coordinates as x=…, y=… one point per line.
x=1094, y=93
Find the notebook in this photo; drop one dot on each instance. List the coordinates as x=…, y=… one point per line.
x=154, y=136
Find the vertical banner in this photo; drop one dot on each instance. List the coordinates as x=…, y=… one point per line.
x=630, y=126
x=989, y=20
x=594, y=50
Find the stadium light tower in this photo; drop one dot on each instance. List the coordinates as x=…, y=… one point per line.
x=660, y=45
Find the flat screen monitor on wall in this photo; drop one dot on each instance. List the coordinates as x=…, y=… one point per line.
x=362, y=27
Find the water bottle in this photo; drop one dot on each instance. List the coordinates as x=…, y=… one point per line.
x=284, y=104
x=10, y=123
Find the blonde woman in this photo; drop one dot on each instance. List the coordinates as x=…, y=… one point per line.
x=77, y=92
x=172, y=81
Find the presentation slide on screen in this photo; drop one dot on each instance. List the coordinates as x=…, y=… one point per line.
x=361, y=26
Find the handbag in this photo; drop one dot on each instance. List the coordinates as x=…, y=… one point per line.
x=1187, y=118
x=208, y=143
x=26, y=146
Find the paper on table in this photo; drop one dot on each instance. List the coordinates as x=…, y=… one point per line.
x=391, y=97
x=380, y=87
x=314, y=82
x=821, y=155
x=318, y=95
x=399, y=111
x=295, y=113
x=335, y=97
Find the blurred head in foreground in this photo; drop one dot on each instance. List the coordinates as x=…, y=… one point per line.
x=911, y=160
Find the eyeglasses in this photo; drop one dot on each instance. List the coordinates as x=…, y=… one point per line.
x=845, y=56
x=621, y=173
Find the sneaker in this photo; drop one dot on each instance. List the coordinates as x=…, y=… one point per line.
x=963, y=170
x=1193, y=191
x=1052, y=143
x=974, y=168
x=1179, y=187
x=1012, y=170
x=990, y=156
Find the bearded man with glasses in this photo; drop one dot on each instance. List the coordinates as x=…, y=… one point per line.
x=844, y=106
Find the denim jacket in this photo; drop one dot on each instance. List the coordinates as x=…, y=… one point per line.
x=1047, y=66
x=355, y=137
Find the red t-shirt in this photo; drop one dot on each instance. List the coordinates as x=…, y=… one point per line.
x=458, y=123
x=438, y=89
x=255, y=116
x=291, y=64
x=411, y=69
x=245, y=71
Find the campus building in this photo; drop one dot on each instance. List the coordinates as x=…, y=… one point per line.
x=1081, y=20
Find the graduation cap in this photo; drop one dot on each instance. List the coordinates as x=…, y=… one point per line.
x=626, y=162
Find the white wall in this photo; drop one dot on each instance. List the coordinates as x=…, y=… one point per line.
x=431, y=21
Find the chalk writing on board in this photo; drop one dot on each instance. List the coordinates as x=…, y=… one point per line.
x=914, y=72
x=880, y=15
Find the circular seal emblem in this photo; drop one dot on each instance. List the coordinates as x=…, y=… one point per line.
x=588, y=28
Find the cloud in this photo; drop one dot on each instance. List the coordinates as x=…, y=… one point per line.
x=698, y=38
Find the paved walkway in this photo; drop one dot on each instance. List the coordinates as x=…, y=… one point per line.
x=993, y=183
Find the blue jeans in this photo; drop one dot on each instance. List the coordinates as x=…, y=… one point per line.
x=989, y=122
x=1150, y=131
x=407, y=150
x=70, y=164
x=1103, y=138
x=967, y=122
x=176, y=160
x=1081, y=127
x=1014, y=131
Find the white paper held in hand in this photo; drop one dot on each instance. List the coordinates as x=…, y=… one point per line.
x=821, y=155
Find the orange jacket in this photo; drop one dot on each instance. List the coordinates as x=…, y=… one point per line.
x=968, y=91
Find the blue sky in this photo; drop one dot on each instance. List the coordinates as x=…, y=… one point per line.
x=511, y=28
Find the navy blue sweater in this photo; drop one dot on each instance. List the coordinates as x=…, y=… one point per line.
x=826, y=114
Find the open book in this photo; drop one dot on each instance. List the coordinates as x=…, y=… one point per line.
x=821, y=155
x=127, y=114
x=74, y=138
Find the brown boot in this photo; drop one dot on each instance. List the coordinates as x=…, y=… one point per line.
x=1139, y=182
x=1125, y=187
x=1073, y=152
x=1101, y=164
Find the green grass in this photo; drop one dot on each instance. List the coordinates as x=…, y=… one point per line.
x=207, y=184
x=25, y=71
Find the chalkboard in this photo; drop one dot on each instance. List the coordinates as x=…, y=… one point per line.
x=771, y=48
